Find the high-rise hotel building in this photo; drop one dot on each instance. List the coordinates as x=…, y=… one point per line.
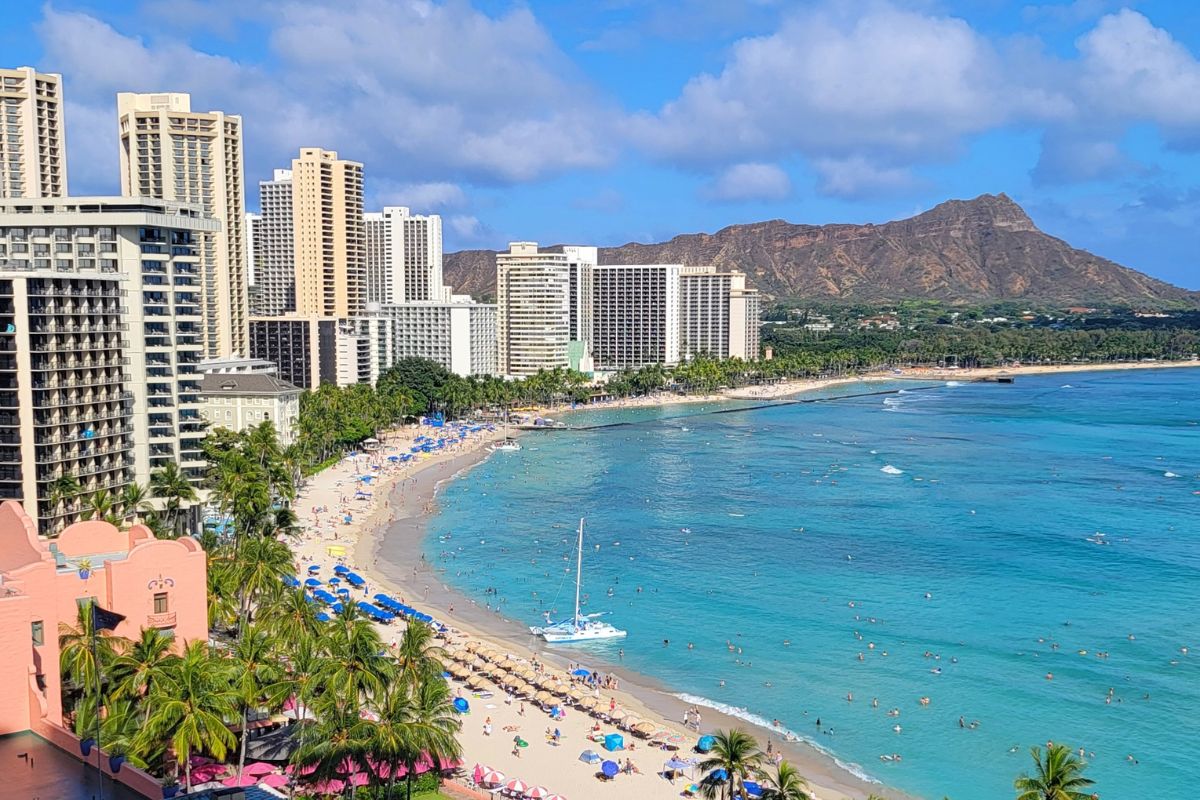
x=404, y=257
x=274, y=244
x=541, y=310
x=101, y=334
x=329, y=247
x=172, y=153
x=33, y=155
x=718, y=314
x=635, y=315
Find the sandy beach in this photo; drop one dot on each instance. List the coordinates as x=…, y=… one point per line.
x=400, y=569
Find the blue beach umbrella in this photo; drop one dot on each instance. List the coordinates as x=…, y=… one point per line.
x=290, y=580
x=354, y=579
x=312, y=582
x=341, y=569
x=334, y=581
x=322, y=617
x=337, y=608
x=705, y=744
x=313, y=568
x=343, y=590
x=581, y=673
x=610, y=769
x=461, y=705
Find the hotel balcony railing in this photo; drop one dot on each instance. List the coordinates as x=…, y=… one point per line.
x=56, y=327
x=89, y=294
x=103, y=433
x=72, y=383
x=55, y=456
x=57, y=365
x=164, y=620
x=55, y=346
x=50, y=420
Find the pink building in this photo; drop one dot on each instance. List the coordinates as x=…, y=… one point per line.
x=158, y=583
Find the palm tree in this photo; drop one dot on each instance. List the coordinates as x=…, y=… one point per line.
x=432, y=726
x=786, y=783
x=78, y=661
x=735, y=752
x=189, y=708
x=170, y=484
x=260, y=567
x=63, y=489
x=256, y=677
x=289, y=617
x=135, y=501
x=356, y=666
x=144, y=663
x=100, y=505
x=334, y=743
x=1059, y=776
x=418, y=657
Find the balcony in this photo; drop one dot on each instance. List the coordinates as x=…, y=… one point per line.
x=165, y=620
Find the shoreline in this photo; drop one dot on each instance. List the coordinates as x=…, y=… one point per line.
x=402, y=521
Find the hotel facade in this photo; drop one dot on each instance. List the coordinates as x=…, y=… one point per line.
x=33, y=154
x=100, y=341
x=170, y=152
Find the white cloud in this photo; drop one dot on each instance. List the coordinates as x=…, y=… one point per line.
x=750, y=181
x=855, y=177
x=421, y=197
x=467, y=229
x=420, y=92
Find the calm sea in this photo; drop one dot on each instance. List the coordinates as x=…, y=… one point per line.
x=962, y=543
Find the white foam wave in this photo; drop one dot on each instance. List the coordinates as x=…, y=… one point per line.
x=954, y=383
x=890, y=470
x=754, y=719
x=1170, y=475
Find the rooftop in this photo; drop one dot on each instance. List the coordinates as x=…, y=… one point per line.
x=242, y=383
x=31, y=767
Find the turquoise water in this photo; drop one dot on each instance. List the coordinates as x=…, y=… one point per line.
x=992, y=495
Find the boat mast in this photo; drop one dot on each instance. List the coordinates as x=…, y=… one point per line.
x=578, y=572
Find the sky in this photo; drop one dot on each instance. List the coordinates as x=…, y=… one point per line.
x=611, y=121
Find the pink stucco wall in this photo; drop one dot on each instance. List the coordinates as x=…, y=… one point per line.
x=128, y=569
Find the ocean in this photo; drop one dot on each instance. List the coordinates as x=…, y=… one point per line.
x=1025, y=556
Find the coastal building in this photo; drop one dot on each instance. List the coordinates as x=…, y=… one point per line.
x=226, y=366
x=329, y=247
x=274, y=262
x=718, y=314
x=241, y=400
x=153, y=583
x=310, y=350
x=459, y=335
x=635, y=315
x=253, y=234
x=170, y=152
x=100, y=340
x=33, y=153
x=404, y=257
x=537, y=292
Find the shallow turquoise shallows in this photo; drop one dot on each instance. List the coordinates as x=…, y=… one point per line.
x=969, y=541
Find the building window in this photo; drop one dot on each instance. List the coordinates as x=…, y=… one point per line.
x=160, y=603
x=39, y=633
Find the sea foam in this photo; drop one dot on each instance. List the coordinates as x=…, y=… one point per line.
x=738, y=712
x=890, y=470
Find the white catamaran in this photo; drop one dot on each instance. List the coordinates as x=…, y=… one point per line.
x=581, y=627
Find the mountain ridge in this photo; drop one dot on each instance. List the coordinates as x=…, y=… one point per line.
x=960, y=251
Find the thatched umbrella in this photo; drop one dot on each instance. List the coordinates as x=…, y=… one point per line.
x=644, y=729
x=543, y=697
x=587, y=703
x=508, y=663
x=476, y=682
x=471, y=646
x=575, y=694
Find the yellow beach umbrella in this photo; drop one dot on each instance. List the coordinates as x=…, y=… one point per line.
x=471, y=646
x=575, y=694
x=543, y=697
x=476, y=682
x=587, y=703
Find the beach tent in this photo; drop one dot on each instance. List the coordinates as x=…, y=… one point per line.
x=590, y=757
x=614, y=741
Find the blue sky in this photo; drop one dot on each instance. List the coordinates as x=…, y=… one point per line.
x=632, y=120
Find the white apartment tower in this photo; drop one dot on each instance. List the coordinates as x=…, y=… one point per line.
x=635, y=315
x=172, y=153
x=719, y=315
x=459, y=335
x=404, y=257
x=100, y=338
x=274, y=267
x=536, y=294
x=33, y=154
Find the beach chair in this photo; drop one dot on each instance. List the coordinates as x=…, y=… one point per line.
x=691, y=790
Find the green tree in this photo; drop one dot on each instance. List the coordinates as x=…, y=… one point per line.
x=189, y=708
x=1058, y=775
x=170, y=484
x=736, y=752
x=143, y=664
x=257, y=679
x=785, y=783
x=78, y=663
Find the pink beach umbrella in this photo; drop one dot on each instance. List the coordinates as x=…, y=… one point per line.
x=358, y=779
x=477, y=773
x=258, y=768
x=517, y=786
x=330, y=787
x=492, y=776
x=275, y=781
x=199, y=761
x=556, y=797
x=538, y=793
x=245, y=780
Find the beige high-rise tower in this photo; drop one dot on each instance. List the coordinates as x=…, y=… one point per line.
x=172, y=153
x=328, y=234
x=33, y=155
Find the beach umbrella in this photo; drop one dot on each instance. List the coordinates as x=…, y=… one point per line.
x=478, y=665
x=705, y=743
x=476, y=682
x=471, y=646
x=258, y=768
x=588, y=703
x=245, y=780
x=543, y=697
x=508, y=663
x=610, y=769
x=528, y=674
x=575, y=694
x=555, y=797
x=538, y=793
x=341, y=569
x=312, y=582
x=313, y=568
x=644, y=728
x=668, y=739
x=275, y=781
x=676, y=765
x=354, y=579
x=581, y=673
x=524, y=688
x=492, y=777
x=517, y=786
x=461, y=705
x=290, y=580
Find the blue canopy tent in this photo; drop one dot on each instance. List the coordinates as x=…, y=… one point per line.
x=343, y=591
x=383, y=598
x=334, y=581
